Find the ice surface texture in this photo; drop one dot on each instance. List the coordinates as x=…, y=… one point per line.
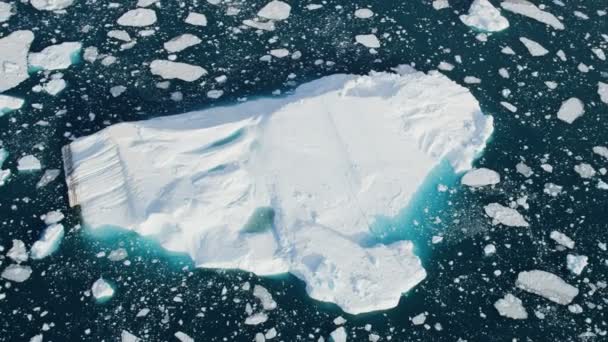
x=286, y=184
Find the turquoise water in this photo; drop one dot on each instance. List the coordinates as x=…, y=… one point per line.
x=462, y=284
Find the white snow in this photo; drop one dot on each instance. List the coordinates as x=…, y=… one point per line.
x=51, y=5
x=55, y=57
x=602, y=91
x=9, y=104
x=182, y=42
x=547, y=285
x=183, y=337
x=212, y=183
x=338, y=335
x=176, y=70
x=368, y=40
x=562, y=239
x=18, y=252
x=511, y=307
x=570, y=110
x=48, y=243
x=139, y=17
x=530, y=10
x=505, y=215
x=484, y=17
x=13, y=58
x=480, y=177
x=275, y=10
x=364, y=13
x=6, y=11
x=17, y=273
x=102, y=290
x=196, y=19
x=28, y=163
x=576, y=263
x=533, y=47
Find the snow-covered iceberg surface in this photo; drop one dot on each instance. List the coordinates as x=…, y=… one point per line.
x=288, y=184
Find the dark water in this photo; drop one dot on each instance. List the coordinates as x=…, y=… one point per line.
x=461, y=285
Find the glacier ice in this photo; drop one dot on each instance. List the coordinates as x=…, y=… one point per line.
x=286, y=184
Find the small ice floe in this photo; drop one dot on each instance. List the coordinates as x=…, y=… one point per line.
x=256, y=318
x=279, y=53
x=553, y=189
x=511, y=307
x=265, y=297
x=510, y=107
x=54, y=216
x=55, y=57
x=102, y=290
x=116, y=91
x=196, y=19
x=485, y=17
x=534, y=48
x=441, y=4
x=364, y=13
x=601, y=151
x=215, y=94
x=576, y=263
x=51, y=5
x=585, y=170
x=28, y=163
x=339, y=320
x=48, y=176
x=570, y=110
x=472, y=80
x=36, y=338
x=368, y=40
x=126, y=336
x=275, y=10
x=9, y=104
x=181, y=42
x=120, y=35
x=146, y=3
x=6, y=11
x=338, y=335
x=480, y=177
x=562, y=239
x=13, y=58
x=258, y=25
x=118, y=254
x=139, y=17
x=54, y=86
x=530, y=10
x=175, y=70
x=524, y=169
x=16, y=273
x=419, y=319
x=547, y=285
x=183, y=337
x=445, y=66
x=143, y=312
x=48, y=243
x=270, y=334
x=489, y=250
x=18, y=253
x=602, y=91
x=505, y=215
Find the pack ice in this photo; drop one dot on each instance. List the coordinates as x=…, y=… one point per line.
x=288, y=184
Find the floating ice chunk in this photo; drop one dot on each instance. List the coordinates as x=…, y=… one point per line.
x=585, y=170
x=218, y=155
x=102, y=290
x=339, y=320
x=480, y=177
x=175, y=70
x=275, y=10
x=576, y=263
x=485, y=17
x=533, y=47
x=505, y=215
x=368, y=40
x=552, y=189
x=270, y=334
x=146, y=3
x=440, y=4
x=54, y=86
x=510, y=107
x=215, y=94
x=562, y=239
x=279, y=53
x=530, y=10
x=55, y=57
x=47, y=177
x=118, y=254
x=256, y=318
x=601, y=151
x=445, y=66
x=36, y=338
x=419, y=319
x=4, y=176
x=126, y=336
x=120, y=35
x=511, y=307
x=17, y=273
x=182, y=337
x=489, y=249
x=547, y=285
x=599, y=53
x=338, y=335
x=52, y=217
x=143, y=312
x=196, y=19
x=265, y=297
x=13, y=58
x=182, y=42
x=116, y=91
x=602, y=91
x=364, y=13
x=570, y=110
x=48, y=243
x=9, y=104
x=266, y=26
x=524, y=169
x=28, y=163
x=18, y=253
x=51, y=5
x=6, y=11
x=139, y=17
x=471, y=80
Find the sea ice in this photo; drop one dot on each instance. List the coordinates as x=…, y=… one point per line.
x=102, y=290
x=440, y=4
x=484, y=17
x=338, y=335
x=601, y=151
x=258, y=25
x=17, y=273
x=18, y=253
x=364, y=13
x=505, y=215
x=602, y=91
x=243, y=171
x=530, y=10
x=256, y=318
x=182, y=337
x=175, y=70
x=9, y=104
x=511, y=306
x=585, y=170
x=55, y=57
x=480, y=177
x=368, y=40
x=51, y=5
x=139, y=17
x=275, y=10
x=562, y=239
x=182, y=42
x=126, y=336
x=533, y=47
x=196, y=19
x=576, y=263
x=547, y=285
x=48, y=243
x=265, y=297
x=13, y=58
x=6, y=11
x=54, y=86
x=47, y=178
x=570, y=110
x=146, y=3
x=419, y=319
x=52, y=217
x=28, y=163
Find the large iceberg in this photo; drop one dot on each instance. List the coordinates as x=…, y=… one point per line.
x=286, y=184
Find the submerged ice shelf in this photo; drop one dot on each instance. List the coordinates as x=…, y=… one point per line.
x=288, y=184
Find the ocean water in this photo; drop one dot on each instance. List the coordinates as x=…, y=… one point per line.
x=462, y=284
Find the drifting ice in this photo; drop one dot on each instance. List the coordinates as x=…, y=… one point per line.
x=286, y=184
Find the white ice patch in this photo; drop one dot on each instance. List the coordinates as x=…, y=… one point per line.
x=338, y=335
x=364, y=13
x=139, y=17
x=511, y=307
x=9, y=104
x=175, y=70
x=28, y=163
x=601, y=151
x=102, y=290
x=534, y=48
x=48, y=243
x=576, y=263
x=530, y=10
x=126, y=336
x=13, y=58
x=17, y=273
x=275, y=10
x=182, y=42
x=505, y=215
x=368, y=40
x=183, y=337
x=585, y=170
x=196, y=19
x=484, y=17
x=480, y=177
x=55, y=57
x=602, y=91
x=6, y=11
x=547, y=285
x=440, y=4
x=232, y=186
x=570, y=110
x=51, y=5
x=18, y=252
x=562, y=239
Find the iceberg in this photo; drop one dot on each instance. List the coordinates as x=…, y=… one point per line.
x=485, y=17
x=286, y=184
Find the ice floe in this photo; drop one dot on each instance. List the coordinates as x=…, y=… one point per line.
x=480, y=177
x=55, y=57
x=16, y=273
x=547, y=285
x=9, y=104
x=484, y=17
x=570, y=110
x=51, y=5
x=505, y=215
x=175, y=70
x=364, y=13
x=182, y=42
x=48, y=177
x=183, y=337
x=102, y=290
x=48, y=243
x=126, y=336
x=562, y=239
x=338, y=335
x=275, y=10
x=576, y=263
x=511, y=307
x=196, y=19
x=139, y=17
x=534, y=48
x=28, y=163
x=233, y=169
x=585, y=170
x=530, y=10
x=14, y=49
x=6, y=11
x=18, y=252
x=602, y=91
x=368, y=40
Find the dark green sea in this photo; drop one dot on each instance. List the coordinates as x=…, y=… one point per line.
x=209, y=305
